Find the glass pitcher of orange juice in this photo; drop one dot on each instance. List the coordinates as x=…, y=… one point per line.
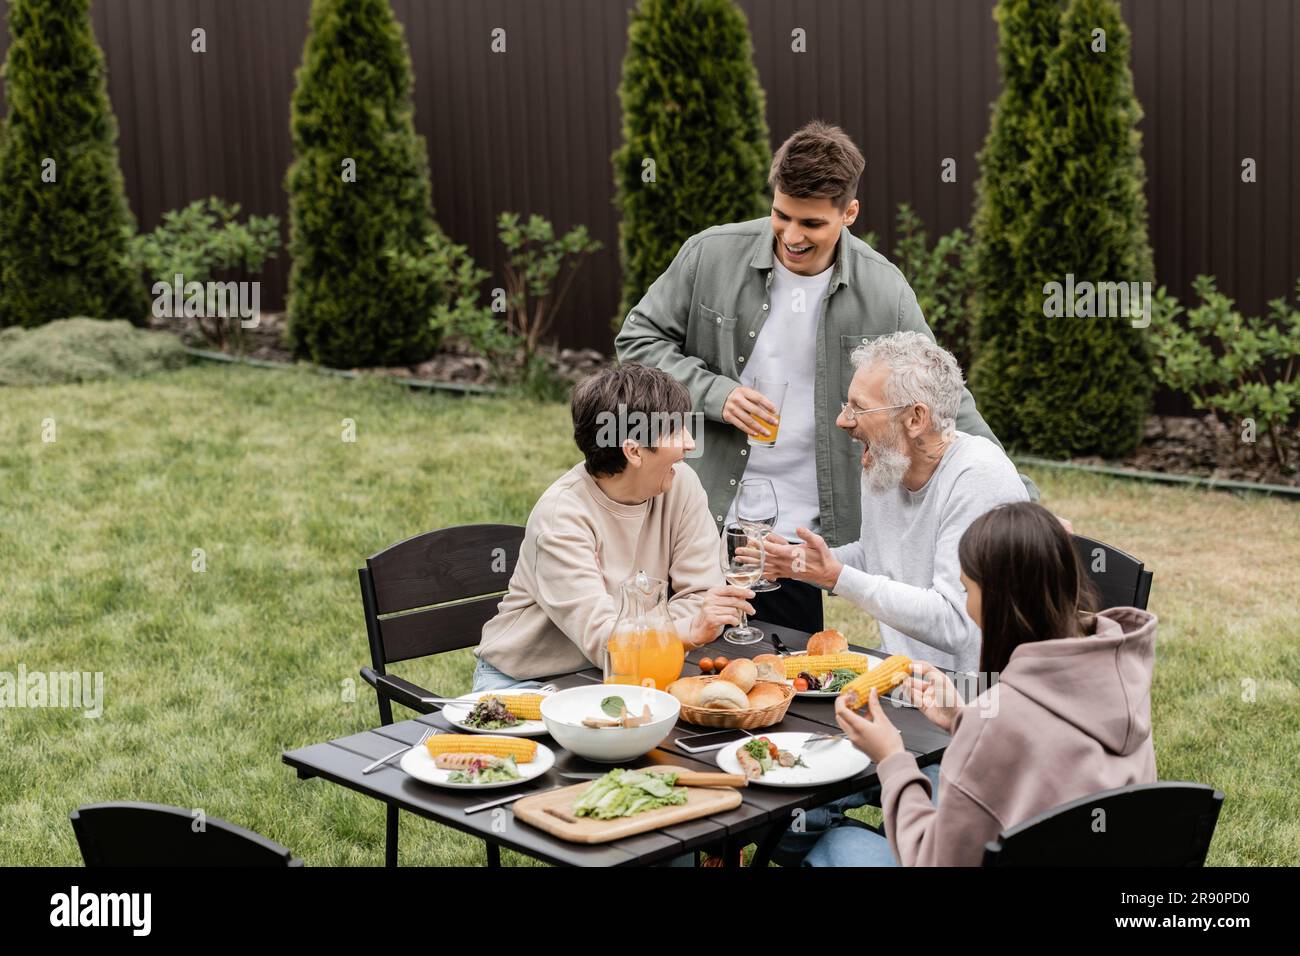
x=644, y=647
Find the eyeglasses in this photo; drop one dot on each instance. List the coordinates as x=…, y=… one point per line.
x=853, y=413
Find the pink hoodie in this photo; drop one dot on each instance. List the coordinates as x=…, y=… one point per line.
x=1068, y=718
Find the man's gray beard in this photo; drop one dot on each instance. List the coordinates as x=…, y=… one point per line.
x=885, y=473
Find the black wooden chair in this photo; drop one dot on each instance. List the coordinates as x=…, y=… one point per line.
x=151, y=834
x=1119, y=578
x=1152, y=824
x=426, y=595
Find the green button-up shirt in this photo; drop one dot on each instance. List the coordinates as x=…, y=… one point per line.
x=699, y=322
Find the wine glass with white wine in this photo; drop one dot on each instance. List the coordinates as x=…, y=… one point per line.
x=743, y=570
x=756, y=508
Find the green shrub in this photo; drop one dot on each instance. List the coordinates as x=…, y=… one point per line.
x=84, y=350
x=198, y=242
x=1237, y=367
x=1065, y=385
x=1028, y=31
x=692, y=104
x=352, y=301
x=62, y=243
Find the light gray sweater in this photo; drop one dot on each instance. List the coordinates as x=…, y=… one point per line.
x=903, y=569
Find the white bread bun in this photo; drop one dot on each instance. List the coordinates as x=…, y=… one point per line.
x=827, y=642
x=722, y=695
x=770, y=667
x=765, y=694
x=687, y=690
x=742, y=672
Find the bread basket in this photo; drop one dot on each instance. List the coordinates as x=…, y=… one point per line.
x=739, y=719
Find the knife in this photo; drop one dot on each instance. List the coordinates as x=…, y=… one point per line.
x=780, y=646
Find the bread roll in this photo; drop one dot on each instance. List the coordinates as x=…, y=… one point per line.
x=687, y=690
x=722, y=695
x=827, y=642
x=765, y=694
x=742, y=672
x=770, y=667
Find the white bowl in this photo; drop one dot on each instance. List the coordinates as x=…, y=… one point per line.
x=563, y=711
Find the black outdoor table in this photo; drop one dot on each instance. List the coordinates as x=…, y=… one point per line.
x=763, y=815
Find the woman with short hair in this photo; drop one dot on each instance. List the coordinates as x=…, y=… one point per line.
x=628, y=506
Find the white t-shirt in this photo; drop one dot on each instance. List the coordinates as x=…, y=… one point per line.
x=786, y=351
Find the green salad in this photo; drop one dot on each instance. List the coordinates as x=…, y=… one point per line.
x=621, y=793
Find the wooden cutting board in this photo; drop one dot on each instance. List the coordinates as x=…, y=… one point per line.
x=540, y=811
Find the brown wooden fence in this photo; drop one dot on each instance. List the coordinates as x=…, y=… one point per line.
x=532, y=129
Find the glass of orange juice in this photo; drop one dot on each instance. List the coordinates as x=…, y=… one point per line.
x=774, y=392
x=622, y=657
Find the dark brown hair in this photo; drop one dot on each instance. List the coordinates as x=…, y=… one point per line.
x=818, y=161
x=624, y=394
x=1032, y=585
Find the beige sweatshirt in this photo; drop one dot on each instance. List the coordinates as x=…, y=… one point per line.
x=1067, y=718
x=578, y=548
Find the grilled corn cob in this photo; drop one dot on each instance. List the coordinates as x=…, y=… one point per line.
x=825, y=663
x=523, y=706
x=522, y=750
x=891, y=672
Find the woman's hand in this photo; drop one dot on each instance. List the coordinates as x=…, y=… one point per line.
x=933, y=694
x=746, y=408
x=876, y=737
x=721, y=608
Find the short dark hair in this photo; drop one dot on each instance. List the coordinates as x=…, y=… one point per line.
x=622, y=394
x=819, y=161
x=1033, y=585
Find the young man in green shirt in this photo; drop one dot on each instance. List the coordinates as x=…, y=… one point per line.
x=783, y=298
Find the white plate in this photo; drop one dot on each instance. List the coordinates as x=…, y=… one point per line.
x=420, y=765
x=827, y=763
x=872, y=663
x=456, y=714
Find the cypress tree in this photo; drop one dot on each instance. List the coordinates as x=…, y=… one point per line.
x=359, y=197
x=1028, y=31
x=1085, y=382
x=64, y=218
x=692, y=104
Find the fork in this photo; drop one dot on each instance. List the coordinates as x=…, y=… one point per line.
x=819, y=739
x=429, y=732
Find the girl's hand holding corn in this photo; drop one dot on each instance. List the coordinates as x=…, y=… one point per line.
x=933, y=694
x=877, y=737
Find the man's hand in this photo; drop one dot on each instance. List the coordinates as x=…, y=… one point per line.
x=811, y=561
x=744, y=407
x=933, y=694
x=721, y=608
x=877, y=737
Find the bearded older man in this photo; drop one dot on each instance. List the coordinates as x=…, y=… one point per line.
x=923, y=483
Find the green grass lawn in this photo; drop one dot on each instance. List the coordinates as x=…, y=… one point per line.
x=210, y=675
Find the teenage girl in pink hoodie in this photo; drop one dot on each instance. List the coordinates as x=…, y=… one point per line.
x=1070, y=713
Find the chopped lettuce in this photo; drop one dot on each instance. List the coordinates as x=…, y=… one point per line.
x=622, y=793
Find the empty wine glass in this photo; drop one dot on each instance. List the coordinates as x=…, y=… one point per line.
x=756, y=507
x=742, y=570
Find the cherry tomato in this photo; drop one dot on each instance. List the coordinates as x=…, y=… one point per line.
x=706, y=666
x=800, y=684
x=720, y=662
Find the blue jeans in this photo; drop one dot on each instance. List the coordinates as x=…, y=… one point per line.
x=828, y=825
x=487, y=677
